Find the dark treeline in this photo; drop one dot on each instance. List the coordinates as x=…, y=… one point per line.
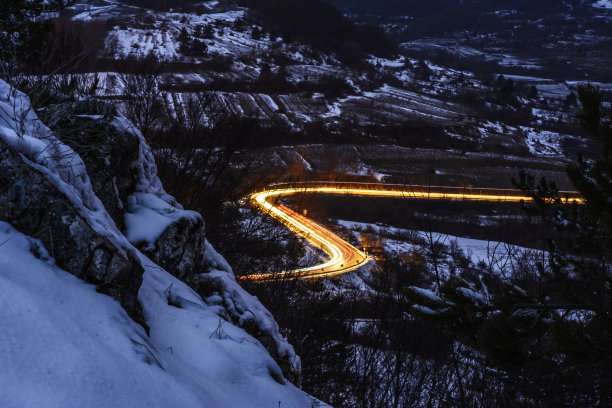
x=506, y=223
x=364, y=349
x=423, y=8
x=162, y=4
x=444, y=16
x=320, y=24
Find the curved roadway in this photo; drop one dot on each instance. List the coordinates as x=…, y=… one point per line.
x=344, y=257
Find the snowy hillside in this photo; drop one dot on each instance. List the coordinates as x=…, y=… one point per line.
x=73, y=341
x=310, y=95
x=607, y=4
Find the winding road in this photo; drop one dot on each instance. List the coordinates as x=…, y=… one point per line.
x=344, y=257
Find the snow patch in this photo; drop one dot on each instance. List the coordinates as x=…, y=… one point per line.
x=150, y=210
x=605, y=4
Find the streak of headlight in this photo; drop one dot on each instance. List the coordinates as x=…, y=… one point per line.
x=335, y=265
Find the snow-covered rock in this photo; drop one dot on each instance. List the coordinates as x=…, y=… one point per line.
x=63, y=343
x=45, y=192
x=219, y=287
x=87, y=127
x=124, y=176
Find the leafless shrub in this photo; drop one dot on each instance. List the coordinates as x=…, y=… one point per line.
x=142, y=102
x=73, y=46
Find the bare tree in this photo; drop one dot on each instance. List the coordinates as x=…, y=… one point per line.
x=142, y=98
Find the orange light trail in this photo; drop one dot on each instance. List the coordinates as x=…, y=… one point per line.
x=344, y=257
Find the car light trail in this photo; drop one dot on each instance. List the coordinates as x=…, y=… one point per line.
x=344, y=257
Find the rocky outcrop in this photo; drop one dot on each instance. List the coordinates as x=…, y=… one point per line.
x=45, y=192
x=34, y=206
x=87, y=187
x=87, y=127
x=181, y=249
x=124, y=176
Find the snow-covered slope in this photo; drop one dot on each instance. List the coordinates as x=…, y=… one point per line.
x=607, y=4
x=64, y=344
